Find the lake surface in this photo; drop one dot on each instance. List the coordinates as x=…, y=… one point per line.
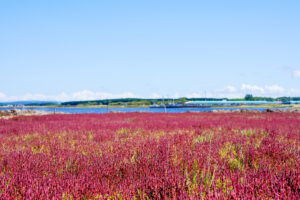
x=152, y=110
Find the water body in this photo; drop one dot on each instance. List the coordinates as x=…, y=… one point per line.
x=139, y=109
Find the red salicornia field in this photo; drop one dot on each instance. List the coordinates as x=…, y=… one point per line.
x=151, y=156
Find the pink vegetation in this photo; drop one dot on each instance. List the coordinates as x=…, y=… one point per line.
x=151, y=156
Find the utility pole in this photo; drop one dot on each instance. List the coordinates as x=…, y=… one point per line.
x=107, y=105
x=164, y=105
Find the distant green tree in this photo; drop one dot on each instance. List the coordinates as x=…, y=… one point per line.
x=284, y=99
x=248, y=97
x=182, y=100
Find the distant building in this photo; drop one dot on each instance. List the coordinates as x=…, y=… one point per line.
x=230, y=103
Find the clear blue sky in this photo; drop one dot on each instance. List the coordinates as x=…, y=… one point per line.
x=62, y=50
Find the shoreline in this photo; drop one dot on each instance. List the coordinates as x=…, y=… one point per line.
x=137, y=106
x=9, y=113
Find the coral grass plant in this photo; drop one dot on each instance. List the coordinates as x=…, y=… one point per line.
x=151, y=156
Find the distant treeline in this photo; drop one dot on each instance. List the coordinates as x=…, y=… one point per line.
x=30, y=103
x=140, y=101
x=42, y=104
x=124, y=102
x=249, y=97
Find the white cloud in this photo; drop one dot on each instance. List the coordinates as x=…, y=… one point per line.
x=268, y=90
x=81, y=95
x=230, y=95
x=252, y=88
x=29, y=96
x=195, y=95
x=217, y=94
x=89, y=95
x=155, y=96
x=274, y=89
x=228, y=88
x=293, y=92
x=225, y=92
x=2, y=96
x=296, y=73
x=256, y=90
x=231, y=88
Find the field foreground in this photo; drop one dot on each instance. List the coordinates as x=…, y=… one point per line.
x=151, y=156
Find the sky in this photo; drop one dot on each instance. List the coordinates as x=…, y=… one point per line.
x=80, y=50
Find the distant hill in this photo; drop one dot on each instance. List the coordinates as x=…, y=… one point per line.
x=134, y=101
x=30, y=103
x=141, y=101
